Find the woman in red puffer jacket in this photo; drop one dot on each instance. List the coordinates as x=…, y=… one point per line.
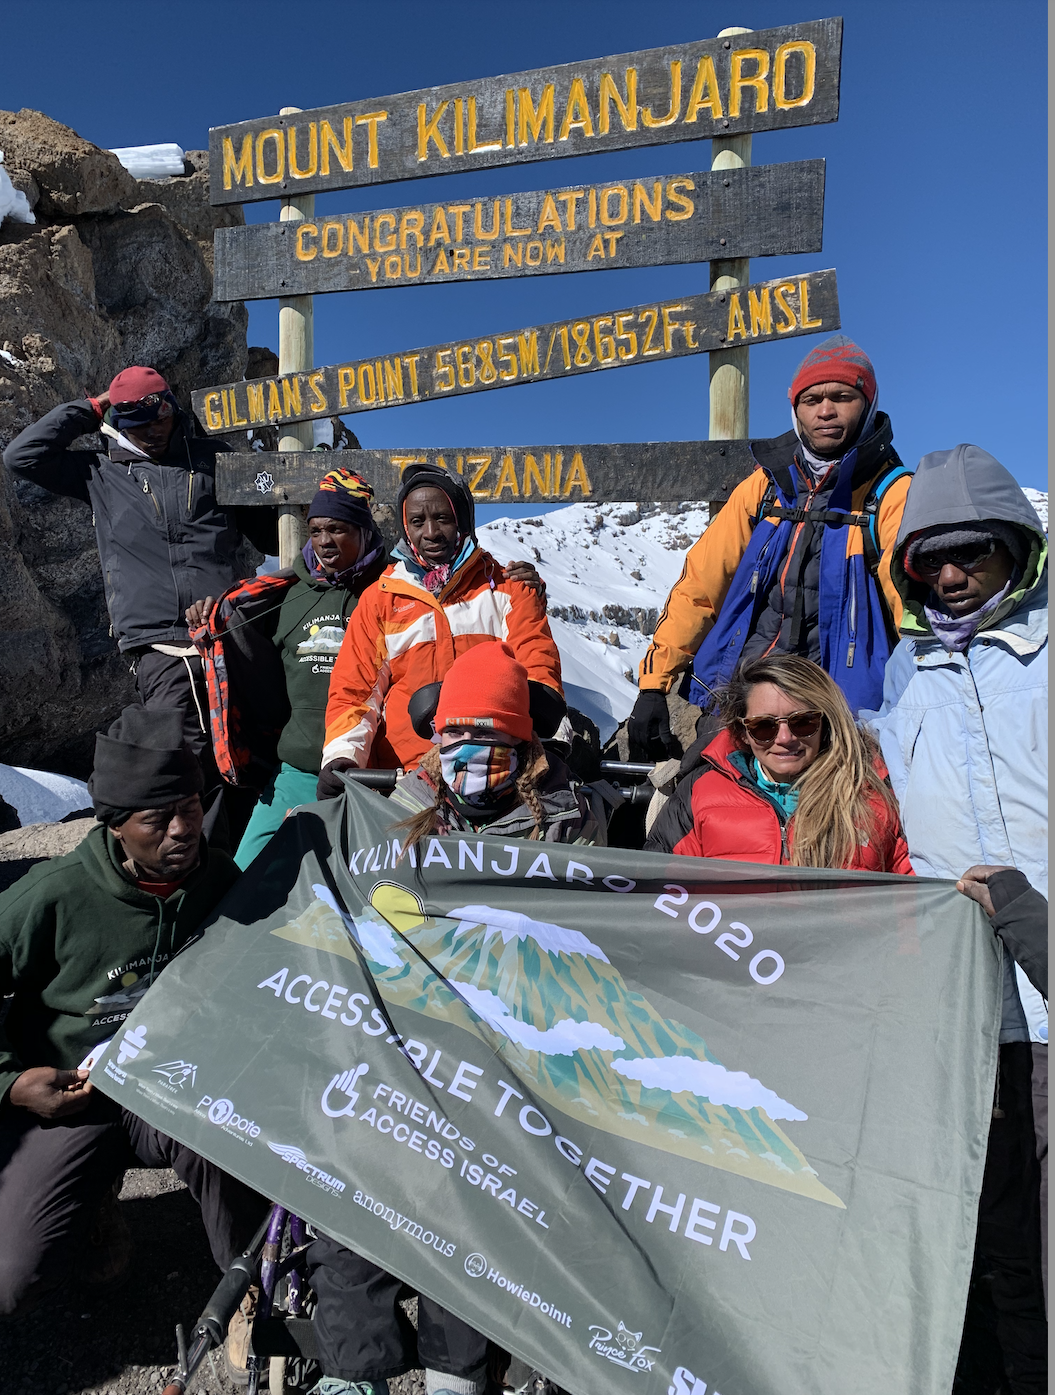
x=791, y=779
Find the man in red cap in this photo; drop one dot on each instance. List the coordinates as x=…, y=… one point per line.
x=163, y=539
x=797, y=562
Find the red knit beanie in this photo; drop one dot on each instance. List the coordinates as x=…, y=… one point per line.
x=133, y=383
x=837, y=360
x=486, y=687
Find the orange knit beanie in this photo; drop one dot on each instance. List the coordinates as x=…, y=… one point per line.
x=486, y=687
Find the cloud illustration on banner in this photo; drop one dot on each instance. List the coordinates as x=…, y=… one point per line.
x=708, y=1081
x=377, y=942
x=564, y=1038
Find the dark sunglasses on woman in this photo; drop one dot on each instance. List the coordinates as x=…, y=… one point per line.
x=764, y=730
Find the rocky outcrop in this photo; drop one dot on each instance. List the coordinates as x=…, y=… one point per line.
x=115, y=271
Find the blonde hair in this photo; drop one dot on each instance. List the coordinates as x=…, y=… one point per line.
x=532, y=765
x=839, y=792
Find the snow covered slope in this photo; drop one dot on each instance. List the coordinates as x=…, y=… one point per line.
x=609, y=568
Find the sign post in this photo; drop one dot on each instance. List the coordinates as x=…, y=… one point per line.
x=729, y=370
x=296, y=354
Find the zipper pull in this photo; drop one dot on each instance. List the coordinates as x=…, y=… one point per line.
x=754, y=581
x=850, y=654
x=146, y=486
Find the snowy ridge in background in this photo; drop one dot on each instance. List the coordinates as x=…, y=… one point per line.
x=608, y=569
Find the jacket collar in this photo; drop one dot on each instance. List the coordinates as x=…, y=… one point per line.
x=400, y=579
x=777, y=455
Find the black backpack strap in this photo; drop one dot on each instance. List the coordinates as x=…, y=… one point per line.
x=894, y=471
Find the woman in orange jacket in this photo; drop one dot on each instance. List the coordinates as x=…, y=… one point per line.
x=791, y=779
x=442, y=595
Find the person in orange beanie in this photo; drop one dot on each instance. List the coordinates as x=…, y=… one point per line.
x=486, y=770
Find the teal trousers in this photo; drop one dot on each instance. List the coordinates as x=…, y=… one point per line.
x=288, y=788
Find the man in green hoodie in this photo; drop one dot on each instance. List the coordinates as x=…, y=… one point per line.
x=82, y=938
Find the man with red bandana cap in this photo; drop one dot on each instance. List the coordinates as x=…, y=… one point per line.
x=163, y=539
x=797, y=562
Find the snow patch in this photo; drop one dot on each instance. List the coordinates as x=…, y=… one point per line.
x=512, y=925
x=564, y=1038
x=1039, y=499
x=709, y=1081
x=13, y=203
x=38, y=796
x=378, y=942
x=151, y=161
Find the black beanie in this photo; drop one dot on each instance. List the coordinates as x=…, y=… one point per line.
x=454, y=486
x=142, y=762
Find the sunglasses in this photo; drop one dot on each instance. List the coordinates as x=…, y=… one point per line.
x=150, y=408
x=967, y=558
x=764, y=730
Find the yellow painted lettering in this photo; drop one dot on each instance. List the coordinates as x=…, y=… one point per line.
x=510, y=230
x=274, y=402
x=675, y=100
x=737, y=329
x=291, y=397
x=345, y=385
x=440, y=231
x=481, y=462
x=430, y=131
x=780, y=294
x=410, y=225
x=507, y=363
x=441, y=263
x=510, y=108
x=761, y=311
x=576, y=111
x=318, y=397
x=604, y=344
x=379, y=376
x=684, y=205
x=369, y=119
x=459, y=126
x=313, y=152
x=459, y=210
x=240, y=171
x=373, y=265
x=611, y=239
x=367, y=378
x=781, y=100
x=213, y=414
x=528, y=348
x=481, y=259
x=279, y=140
x=533, y=476
x=254, y=393
x=704, y=95
x=757, y=81
x=360, y=236
x=460, y=259
x=329, y=142
x=554, y=250
x=332, y=239
x=512, y=252
x=463, y=354
x=414, y=270
x=507, y=478
x=670, y=325
x=530, y=118
x=804, y=307
x=641, y=201
x=549, y=217
x=478, y=223
x=627, y=108
x=533, y=254
x=596, y=248
x=302, y=251
x=577, y=478
x=394, y=377
x=569, y=200
x=609, y=219
x=652, y=316
x=388, y=242
x=474, y=144
x=393, y=267
x=411, y=360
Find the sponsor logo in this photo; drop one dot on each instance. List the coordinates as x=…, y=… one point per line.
x=132, y=1044
x=342, y=1084
x=296, y=1157
x=264, y=482
x=685, y=1383
x=115, y=1073
x=475, y=1266
x=623, y=1347
x=177, y=1073
x=396, y=1221
x=223, y=1113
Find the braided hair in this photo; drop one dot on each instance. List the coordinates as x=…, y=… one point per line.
x=532, y=767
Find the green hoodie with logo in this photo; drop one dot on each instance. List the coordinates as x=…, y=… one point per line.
x=80, y=944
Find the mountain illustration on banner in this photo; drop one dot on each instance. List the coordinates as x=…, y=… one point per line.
x=549, y=1003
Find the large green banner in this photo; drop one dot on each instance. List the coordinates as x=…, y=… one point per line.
x=656, y=1125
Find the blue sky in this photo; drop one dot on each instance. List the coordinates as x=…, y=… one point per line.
x=935, y=204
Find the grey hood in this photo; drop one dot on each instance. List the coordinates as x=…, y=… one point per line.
x=964, y=485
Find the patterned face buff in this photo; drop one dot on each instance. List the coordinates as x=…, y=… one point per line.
x=477, y=771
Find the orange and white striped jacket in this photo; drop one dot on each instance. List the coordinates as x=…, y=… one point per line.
x=400, y=637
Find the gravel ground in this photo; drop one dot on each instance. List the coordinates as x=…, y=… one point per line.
x=125, y=1344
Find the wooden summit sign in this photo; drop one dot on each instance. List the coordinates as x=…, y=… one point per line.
x=762, y=81
x=694, y=324
x=651, y=471
x=767, y=211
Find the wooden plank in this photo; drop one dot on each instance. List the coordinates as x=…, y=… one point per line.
x=648, y=472
x=764, y=81
x=695, y=324
x=773, y=210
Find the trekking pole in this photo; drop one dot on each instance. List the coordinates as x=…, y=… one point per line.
x=211, y=1328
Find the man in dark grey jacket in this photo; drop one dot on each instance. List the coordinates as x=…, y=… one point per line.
x=163, y=539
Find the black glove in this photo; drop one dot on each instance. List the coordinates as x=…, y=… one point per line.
x=330, y=785
x=648, y=728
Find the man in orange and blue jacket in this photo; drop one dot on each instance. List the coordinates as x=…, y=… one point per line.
x=797, y=562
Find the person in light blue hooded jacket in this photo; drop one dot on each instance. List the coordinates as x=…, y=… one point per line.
x=963, y=731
